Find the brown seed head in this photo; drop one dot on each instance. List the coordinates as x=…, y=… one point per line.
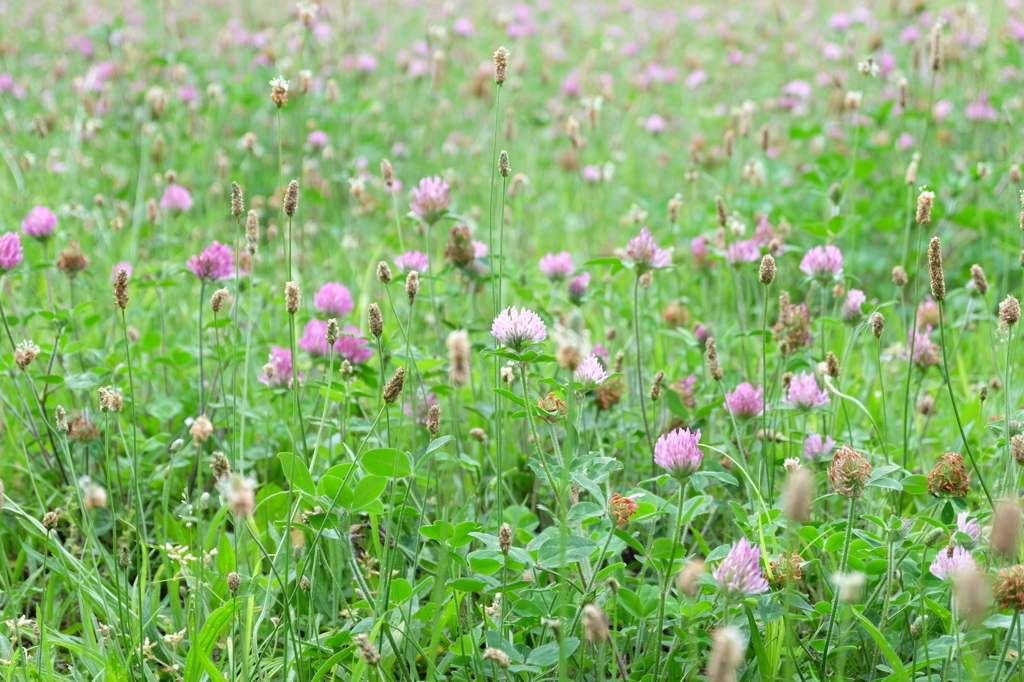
x=979, y=279
x=935, y=45
x=412, y=285
x=686, y=579
x=434, y=419
x=656, y=385
x=50, y=520
x=218, y=299
x=901, y=86
x=767, y=272
x=925, y=201
x=367, y=650
x=1005, y=527
x=832, y=367
x=503, y=166
x=383, y=272
x=949, y=477
x=935, y=269
x=292, y=298
x=498, y=657
x=219, y=464
x=899, y=276
x=121, y=288
x=388, y=171
x=279, y=92
x=849, y=472
x=1009, y=588
x=458, y=357
x=237, y=200
x=911, y=175
x=727, y=652
x=720, y=210
x=501, y=56
x=1017, y=448
x=333, y=332
x=291, y=198
x=1009, y=311
x=595, y=624
x=478, y=434
x=799, y=495
x=393, y=388
x=252, y=232
x=711, y=356
x=234, y=581
x=61, y=419
x=877, y=325
x=201, y=429
x=505, y=538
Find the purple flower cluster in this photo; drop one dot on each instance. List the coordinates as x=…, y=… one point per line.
x=822, y=261
x=176, y=197
x=411, y=260
x=855, y=298
x=590, y=373
x=517, y=329
x=968, y=526
x=646, y=254
x=950, y=565
x=278, y=369
x=578, y=286
x=429, y=199
x=10, y=251
x=745, y=402
x=678, y=452
x=739, y=573
x=333, y=299
x=804, y=393
x=557, y=266
x=39, y=223
x=215, y=262
x=816, y=446
x=742, y=252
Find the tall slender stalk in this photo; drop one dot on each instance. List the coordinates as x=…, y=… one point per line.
x=835, y=595
x=956, y=411
x=639, y=367
x=536, y=438
x=667, y=586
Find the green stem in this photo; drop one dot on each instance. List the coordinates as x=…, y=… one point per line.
x=668, y=581
x=536, y=438
x=639, y=368
x=835, y=596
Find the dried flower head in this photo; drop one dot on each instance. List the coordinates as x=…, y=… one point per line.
x=623, y=507
x=501, y=56
x=383, y=272
x=979, y=279
x=498, y=657
x=1006, y=521
x=434, y=419
x=458, y=357
x=393, y=388
x=201, y=429
x=121, y=288
x=767, y=273
x=925, y=200
x=655, y=391
x=1009, y=588
x=237, y=200
x=375, y=320
x=1009, y=311
x=292, y=297
x=219, y=299
x=849, y=472
x=832, y=367
x=291, y=198
x=687, y=578
x=239, y=491
x=388, y=172
x=252, y=232
x=505, y=538
x=61, y=419
x=935, y=47
x=234, y=581
x=50, y=520
x=949, y=477
x=367, y=649
x=910, y=178
x=412, y=285
x=799, y=494
x=899, y=276
x=219, y=464
x=503, y=166
x=279, y=92
x=877, y=324
x=595, y=624
x=110, y=399
x=723, y=217
x=935, y=269
x=711, y=356
x=25, y=353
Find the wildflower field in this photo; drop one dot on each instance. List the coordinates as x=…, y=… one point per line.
x=409, y=341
